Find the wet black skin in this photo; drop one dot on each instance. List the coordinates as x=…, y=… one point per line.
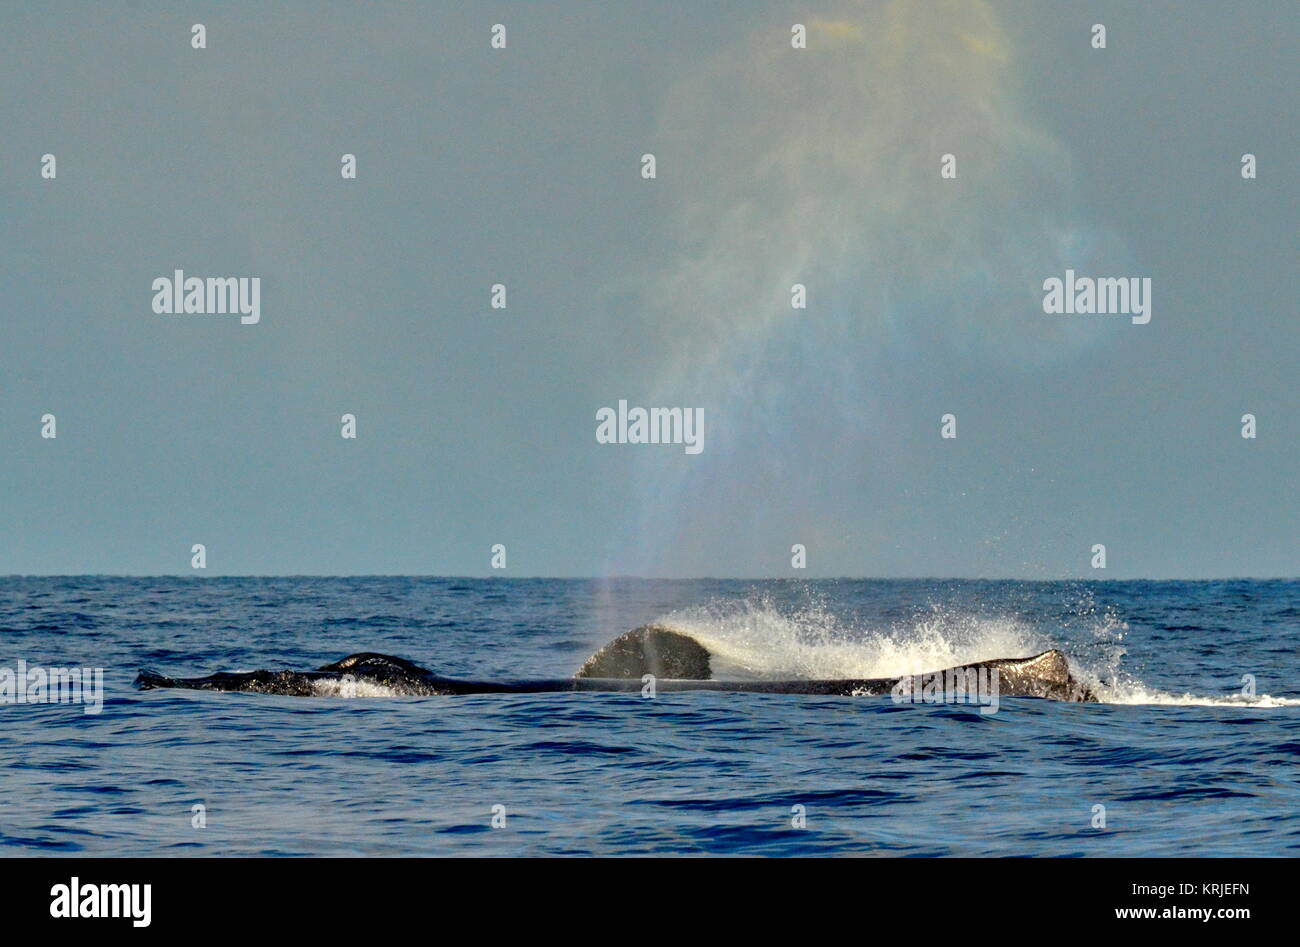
x=676, y=661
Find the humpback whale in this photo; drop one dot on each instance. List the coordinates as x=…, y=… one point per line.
x=676, y=660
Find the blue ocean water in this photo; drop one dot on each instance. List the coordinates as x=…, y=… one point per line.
x=1181, y=760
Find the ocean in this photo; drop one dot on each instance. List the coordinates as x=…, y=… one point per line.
x=1192, y=751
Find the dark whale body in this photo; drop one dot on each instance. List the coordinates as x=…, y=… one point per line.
x=677, y=662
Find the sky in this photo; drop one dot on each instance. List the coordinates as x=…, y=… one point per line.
x=773, y=166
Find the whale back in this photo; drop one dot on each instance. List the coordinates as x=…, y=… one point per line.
x=372, y=662
x=1043, y=675
x=676, y=659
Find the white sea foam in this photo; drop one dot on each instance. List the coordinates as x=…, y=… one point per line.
x=1138, y=694
x=757, y=641
x=353, y=687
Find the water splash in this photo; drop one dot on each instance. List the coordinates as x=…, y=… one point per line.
x=758, y=640
x=354, y=687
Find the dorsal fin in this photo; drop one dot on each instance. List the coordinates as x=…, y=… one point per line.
x=373, y=661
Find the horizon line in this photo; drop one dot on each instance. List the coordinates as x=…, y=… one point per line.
x=621, y=577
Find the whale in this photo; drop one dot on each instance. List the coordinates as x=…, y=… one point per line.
x=674, y=660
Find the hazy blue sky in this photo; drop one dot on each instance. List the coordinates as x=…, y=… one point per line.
x=521, y=166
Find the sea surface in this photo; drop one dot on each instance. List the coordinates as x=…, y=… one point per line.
x=1181, y=758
